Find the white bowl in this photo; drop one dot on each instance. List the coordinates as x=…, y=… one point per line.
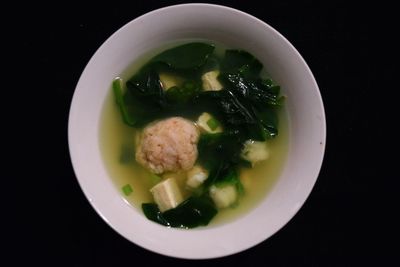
x=307, y=128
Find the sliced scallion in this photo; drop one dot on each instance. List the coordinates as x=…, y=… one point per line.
x=213, y=124
x=127, y=189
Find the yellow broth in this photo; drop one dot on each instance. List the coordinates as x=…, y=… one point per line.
x=115, y=137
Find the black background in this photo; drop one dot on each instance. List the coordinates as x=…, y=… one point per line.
x=347, y=219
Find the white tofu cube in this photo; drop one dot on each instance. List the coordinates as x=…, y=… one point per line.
x=210, y=81
x=166, y=194
x=196, y=176
x=255, y=151
x=223, y=196
x=204, y=123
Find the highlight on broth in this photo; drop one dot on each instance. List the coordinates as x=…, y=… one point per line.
x=200, y=121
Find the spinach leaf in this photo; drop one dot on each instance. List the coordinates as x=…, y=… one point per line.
x=212, y=63
x=261, y=98
x=143, y=111
x=239, y=61
x=193, y=212
x=235, y=109
x=144, y=99
x=238, y=106
x=253, y=89
x=231, y=177
x=181, y=95
x=269, y=121
x=146, y=85
x=246, y=107
x=152, y=213
x=187, y=56
x=223, y=148
x=126, y=116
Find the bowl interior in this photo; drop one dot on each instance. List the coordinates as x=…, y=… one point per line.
x=237, y=29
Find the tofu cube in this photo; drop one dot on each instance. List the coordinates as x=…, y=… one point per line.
x=208, y=123
x=223, y=196
x=166, y=194
x=196, y=176
x=255, y=151
x=210, y=81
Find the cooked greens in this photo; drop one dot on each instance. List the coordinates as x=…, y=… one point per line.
x=126, y=115
x=245, y=107
x=193, y=212
x=185, y=57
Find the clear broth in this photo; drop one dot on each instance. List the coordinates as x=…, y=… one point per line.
x=116, y=136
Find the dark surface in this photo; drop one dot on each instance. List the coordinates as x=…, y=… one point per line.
x=342, y=223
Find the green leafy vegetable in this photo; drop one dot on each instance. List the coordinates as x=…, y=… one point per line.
x=269, y=121
x=144, y=99
x=181, y=95
x=246, y=108
x=212, y=63
x=147, y=86
x=259, y=99
x=231, y=177
x=239, y=61
x=221, y=147
x=236, y=110
x=193, y=212
x=225, y=149
x=268, y=83
x=238, y=106
x=254, y=90
x=117, y=89
x=187, y=56
x=152, y=213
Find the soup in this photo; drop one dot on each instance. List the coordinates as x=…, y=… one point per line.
x=234, y=158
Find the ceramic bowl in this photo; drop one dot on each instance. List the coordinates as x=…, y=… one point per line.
x=304, y=106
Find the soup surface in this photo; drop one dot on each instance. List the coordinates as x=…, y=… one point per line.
x=119, y=141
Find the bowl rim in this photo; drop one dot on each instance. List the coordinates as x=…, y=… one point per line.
x=97, y=208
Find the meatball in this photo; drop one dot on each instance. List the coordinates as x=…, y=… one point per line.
x=168, y=145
